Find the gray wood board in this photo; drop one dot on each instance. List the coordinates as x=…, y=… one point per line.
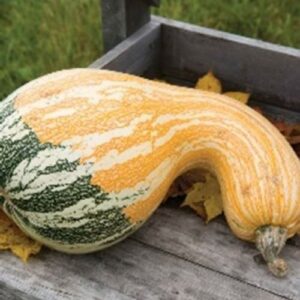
x=8, y=293
x=173, y=256
x=122, y=18
x=183, y=234
x=270, y=72
x=276, y=112
x=138, y=54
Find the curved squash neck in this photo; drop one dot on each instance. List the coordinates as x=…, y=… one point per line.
x=238, y=145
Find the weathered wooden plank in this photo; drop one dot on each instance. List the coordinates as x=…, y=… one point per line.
x=52, y=275
x=122, y=18
x=130, y=270
x=182, y=233
x=270, y=72
x=277, y=113
x=138, y=54
x=8, y=293
x=295, y=241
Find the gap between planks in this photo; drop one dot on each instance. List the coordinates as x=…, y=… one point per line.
x=215, y=247
x=128, y=270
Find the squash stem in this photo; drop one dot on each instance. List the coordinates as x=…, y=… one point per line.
x=269, y=241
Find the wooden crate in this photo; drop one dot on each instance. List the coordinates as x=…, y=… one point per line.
x=175, y=255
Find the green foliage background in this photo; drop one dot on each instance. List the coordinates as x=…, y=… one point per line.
x=40, y=36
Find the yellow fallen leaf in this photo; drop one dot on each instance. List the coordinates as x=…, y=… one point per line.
x=11, y=237
x=242, y=97
x=213, y=207
x=205, y=198
x=209, y=83
x=194, y=199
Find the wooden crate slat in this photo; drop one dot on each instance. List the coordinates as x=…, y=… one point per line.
x=139, y=54
x=8, y=293
x=270, y=72
x=122, y=18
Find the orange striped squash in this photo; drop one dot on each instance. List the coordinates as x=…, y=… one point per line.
x=93, y=153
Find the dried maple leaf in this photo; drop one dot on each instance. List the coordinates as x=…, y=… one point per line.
x=258, y=109
x=205, y=198
x=240, y=96
x=294, y=137
x=209, y=83
x=297, y=149
x=294, y=140
x=11, y=237
x=185, y=182
x=290, y=131
x=282, y=126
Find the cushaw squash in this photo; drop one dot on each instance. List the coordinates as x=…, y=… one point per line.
x=86, y=156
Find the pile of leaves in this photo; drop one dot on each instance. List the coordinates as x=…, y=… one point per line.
x=12, y=238
x=200, y=189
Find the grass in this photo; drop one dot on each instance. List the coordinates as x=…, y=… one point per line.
x=275, y=21
x=40, y=36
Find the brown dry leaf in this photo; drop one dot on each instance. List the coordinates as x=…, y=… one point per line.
x=258, y=109
x=185, y=182
x=209, y=83
x=290, y=131
x=294, y=137
x=205, y=198
x=240, y=96
x=294, y=140
x=11, y=237
x=297, y=149
x=285, y=128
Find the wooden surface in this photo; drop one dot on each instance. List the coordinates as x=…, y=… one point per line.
x=173, y=256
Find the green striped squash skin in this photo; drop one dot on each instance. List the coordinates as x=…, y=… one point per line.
x=39, y=182
x=20, y=168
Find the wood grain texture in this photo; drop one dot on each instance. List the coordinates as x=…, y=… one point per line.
x=8, y=293
x=138, y=54
x=122, y=18
x=182, y=233
x=162, y=261
x=52, y=275
x=270, y=72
